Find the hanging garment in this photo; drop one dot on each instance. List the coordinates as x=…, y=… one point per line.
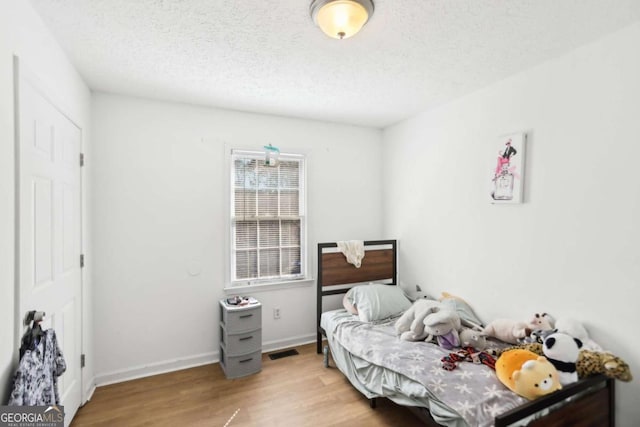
x=31, y=338
x=35, y=382
x=353, y=250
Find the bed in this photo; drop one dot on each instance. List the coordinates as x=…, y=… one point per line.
x=380, y=365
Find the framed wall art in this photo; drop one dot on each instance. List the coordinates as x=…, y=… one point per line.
x=507, y=170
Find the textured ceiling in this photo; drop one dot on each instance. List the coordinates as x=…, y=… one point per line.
x=268, y=57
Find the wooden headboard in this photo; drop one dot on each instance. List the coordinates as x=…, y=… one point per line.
x=334, y=272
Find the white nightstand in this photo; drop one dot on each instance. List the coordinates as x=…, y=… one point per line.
x=240, y=338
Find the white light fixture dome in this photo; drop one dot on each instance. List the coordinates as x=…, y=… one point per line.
x=341, y=19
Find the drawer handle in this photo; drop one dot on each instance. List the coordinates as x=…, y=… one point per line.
x=245, y=316
x=246, y=338
x=246, y=360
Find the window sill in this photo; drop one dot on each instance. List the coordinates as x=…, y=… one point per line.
x=265, y=287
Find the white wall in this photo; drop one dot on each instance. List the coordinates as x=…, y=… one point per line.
x=572, y=248
x=159, y=203
x=23, y=33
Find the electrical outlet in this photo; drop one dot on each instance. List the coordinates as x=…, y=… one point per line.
x=276, y=313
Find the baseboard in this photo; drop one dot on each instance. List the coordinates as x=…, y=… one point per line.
x=156, y=368
x=189, y=362
x=270, y=346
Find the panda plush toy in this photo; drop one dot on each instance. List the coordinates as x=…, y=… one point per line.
x=562, y=351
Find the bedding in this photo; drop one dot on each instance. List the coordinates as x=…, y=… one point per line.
x=375, y=381
x=411, y=373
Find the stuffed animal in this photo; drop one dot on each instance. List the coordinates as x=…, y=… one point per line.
x=537, y=335
x=571, y=327
x=541, y=321
x=527, y=374
x=443, y=326
x=562, y=351
x=577, y=330
x=532, y=347
x=507, y=330
x=593, y=362
x=427, y=319
x=410, y=326
x=473, y=338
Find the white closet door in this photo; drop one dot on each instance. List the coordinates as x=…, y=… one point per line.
x=49, y=230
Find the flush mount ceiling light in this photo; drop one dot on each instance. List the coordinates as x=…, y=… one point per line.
x=341, y=19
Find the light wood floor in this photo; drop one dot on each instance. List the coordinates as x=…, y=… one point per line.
x=292, y=391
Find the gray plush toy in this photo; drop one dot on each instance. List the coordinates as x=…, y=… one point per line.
x=537, y=335
x=473, y=338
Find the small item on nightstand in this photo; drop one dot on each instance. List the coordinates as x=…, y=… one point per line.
x=250, y=300
x=234, y=300
x=241, y=301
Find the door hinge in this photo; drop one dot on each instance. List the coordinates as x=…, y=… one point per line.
x=81, y=260
x=81, y=159
x=82, y=362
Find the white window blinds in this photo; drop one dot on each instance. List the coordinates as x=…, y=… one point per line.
x=267, y=218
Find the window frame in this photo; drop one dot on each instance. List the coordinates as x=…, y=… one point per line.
x=231, y=282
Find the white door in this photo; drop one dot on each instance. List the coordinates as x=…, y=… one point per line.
x=49, y=226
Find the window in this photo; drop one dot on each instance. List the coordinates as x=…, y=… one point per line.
x=267, y=218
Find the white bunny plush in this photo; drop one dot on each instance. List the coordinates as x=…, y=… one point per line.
x=577, y=330
x=410, y=326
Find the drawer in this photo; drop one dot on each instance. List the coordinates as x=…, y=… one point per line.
x=240, y=366
x=242, y=343
x=245, y=320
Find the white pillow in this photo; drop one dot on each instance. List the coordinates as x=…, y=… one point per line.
x=376, y=301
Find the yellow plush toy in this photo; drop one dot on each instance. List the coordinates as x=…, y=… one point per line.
x=527, y=374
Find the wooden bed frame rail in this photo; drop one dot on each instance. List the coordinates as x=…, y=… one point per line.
x=379, y=264
x=595, y=407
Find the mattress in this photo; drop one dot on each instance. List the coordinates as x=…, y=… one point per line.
x=379, y=364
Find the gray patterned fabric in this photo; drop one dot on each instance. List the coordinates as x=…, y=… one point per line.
x=35, y=383
x=473, y=391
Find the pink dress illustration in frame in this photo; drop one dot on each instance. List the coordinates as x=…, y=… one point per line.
x=507, y=172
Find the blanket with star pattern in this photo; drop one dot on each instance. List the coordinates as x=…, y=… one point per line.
x=472, y=390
